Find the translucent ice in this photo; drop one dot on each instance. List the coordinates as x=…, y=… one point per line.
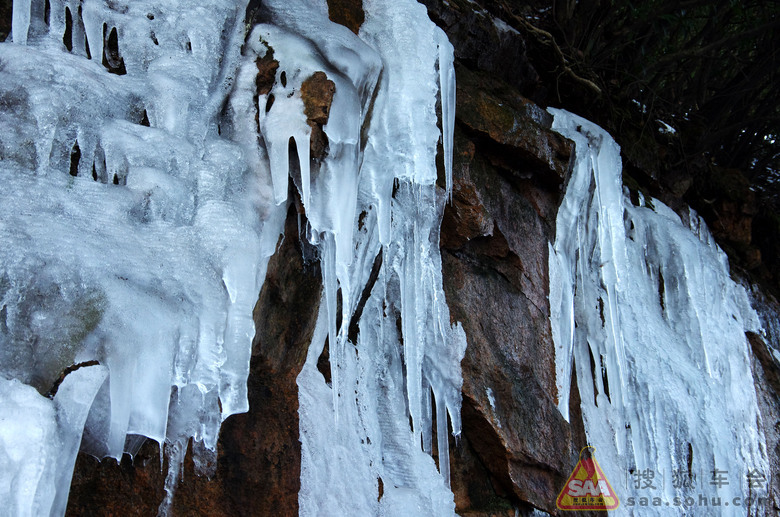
x=643, y=304
x=145, y=184
x=39, y=439
x=373, y=209
x=131, y=231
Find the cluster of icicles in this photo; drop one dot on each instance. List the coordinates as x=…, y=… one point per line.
x=145, y=188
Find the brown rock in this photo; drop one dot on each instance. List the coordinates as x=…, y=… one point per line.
x=317, y=93
x=766, y=376
x=348, y=13
x=466, y=219
x=266, y=72
x=482, y=44
x=515, y=130
x=731, y=223
x=729, y=206
x=496, y=286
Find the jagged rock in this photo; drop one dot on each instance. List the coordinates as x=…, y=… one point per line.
x=485, y=43
x=496, y=286
x=517, y=129
x=468, y=220
x=726, y=201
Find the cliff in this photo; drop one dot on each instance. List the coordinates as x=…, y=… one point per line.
x=510, y=170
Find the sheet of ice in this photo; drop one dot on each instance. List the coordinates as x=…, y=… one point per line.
x=643, y=304
x=145, y=186
x=131, y=231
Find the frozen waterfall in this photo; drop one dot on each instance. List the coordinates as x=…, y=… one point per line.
x=644, y=311
x=145, y=184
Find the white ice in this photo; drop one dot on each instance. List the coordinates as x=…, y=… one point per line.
x=141, y=247
x=375, y=192
x=145, y=188
x=643, y=304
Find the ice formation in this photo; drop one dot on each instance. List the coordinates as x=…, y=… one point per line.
x=644, y=311
x=373, y=202
x=129, y=228
x=144, y=189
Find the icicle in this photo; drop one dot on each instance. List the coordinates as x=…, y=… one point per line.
x=20, y=21
x=447, y=88
x=330, y=287
x=93, y=29
x=443, y=436
x=305, y=164
x=175, y=452
x=73, y=401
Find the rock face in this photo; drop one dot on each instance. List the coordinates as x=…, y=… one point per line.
x=485, y=43
x=494, y=254
x=494, y=257
x=516, y=450
x=509, y=168
x=767, y=375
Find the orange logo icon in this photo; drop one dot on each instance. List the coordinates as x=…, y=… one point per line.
x=587, y=488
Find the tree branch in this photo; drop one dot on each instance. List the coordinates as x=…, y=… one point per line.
x=546, y=38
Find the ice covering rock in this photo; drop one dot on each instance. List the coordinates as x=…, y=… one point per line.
x=131, y=231
x=145, y=184
x=643, y=304
x=373, y=209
